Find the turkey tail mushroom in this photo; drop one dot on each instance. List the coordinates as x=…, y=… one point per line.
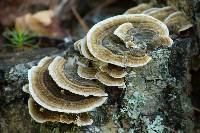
x=64, y=73
x=107, y=80
x=86, y=72
x=104, y=39
x=41, y=115
x=138, y=9
x=46, y=93
x=65, y=89
x=177, y=22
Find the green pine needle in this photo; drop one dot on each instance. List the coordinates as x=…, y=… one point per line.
x=19, y=39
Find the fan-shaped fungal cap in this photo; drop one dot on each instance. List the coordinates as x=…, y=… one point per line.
x=84, y=49
x=138, y=9
x=41, y=115
x=150, y=10
x=114, y=71
x=162, y=13
x=81, y=46
x=122, y=32
x=159, y=41
x=107, y=47
x=177, y=22
x=126, y=33
x=106, y=79
x=64, y=73
x=82, y=61
x=25, y=88
x=86, y=72
x=83, y=119
x=77, y=45
x=47, y=94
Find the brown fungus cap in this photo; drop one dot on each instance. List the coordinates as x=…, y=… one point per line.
x=86, y=72
x=177, y=22
x=83, y=119
x=41, y=115
x=82, y=61
x=47, y=94
x=138, y=9
x=77, y=45
x=131, y=36
x=81, y=46
x=150, y=10
x=114, y=71
x=64, y=73
x=161, y=40
x=106, y=79
x=122, y=32
x=104, y=45
x=25, y=88
x=162, y=13
x=85, y=51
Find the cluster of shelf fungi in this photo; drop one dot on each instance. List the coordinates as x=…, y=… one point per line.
x=66, y=89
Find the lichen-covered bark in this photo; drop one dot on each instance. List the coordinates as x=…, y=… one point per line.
x=156, y=94
x=160, y=89
x=192, y=10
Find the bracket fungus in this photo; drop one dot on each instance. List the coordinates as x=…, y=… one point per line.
x=104, y=43
x=46, y=93
x=85, y=51
x=81, y=46
x=82, y=61
x=119, y=42
x=138, y=9
x=86, y=72
x=50, y=102
x=41, y=115
x=64, y=73
x=106, y=79
x=149, y=10
x=162, y=13
x=122, y=32
x=114, y=71
x=77, y=45
x=65, y=89
x=175, y=20
x=109, y=75
x=25, y=88
x=178, y=22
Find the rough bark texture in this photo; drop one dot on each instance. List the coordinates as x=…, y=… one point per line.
x=158, y=96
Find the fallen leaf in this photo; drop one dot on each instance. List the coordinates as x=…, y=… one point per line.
x=44, y=17
x=43, y=23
